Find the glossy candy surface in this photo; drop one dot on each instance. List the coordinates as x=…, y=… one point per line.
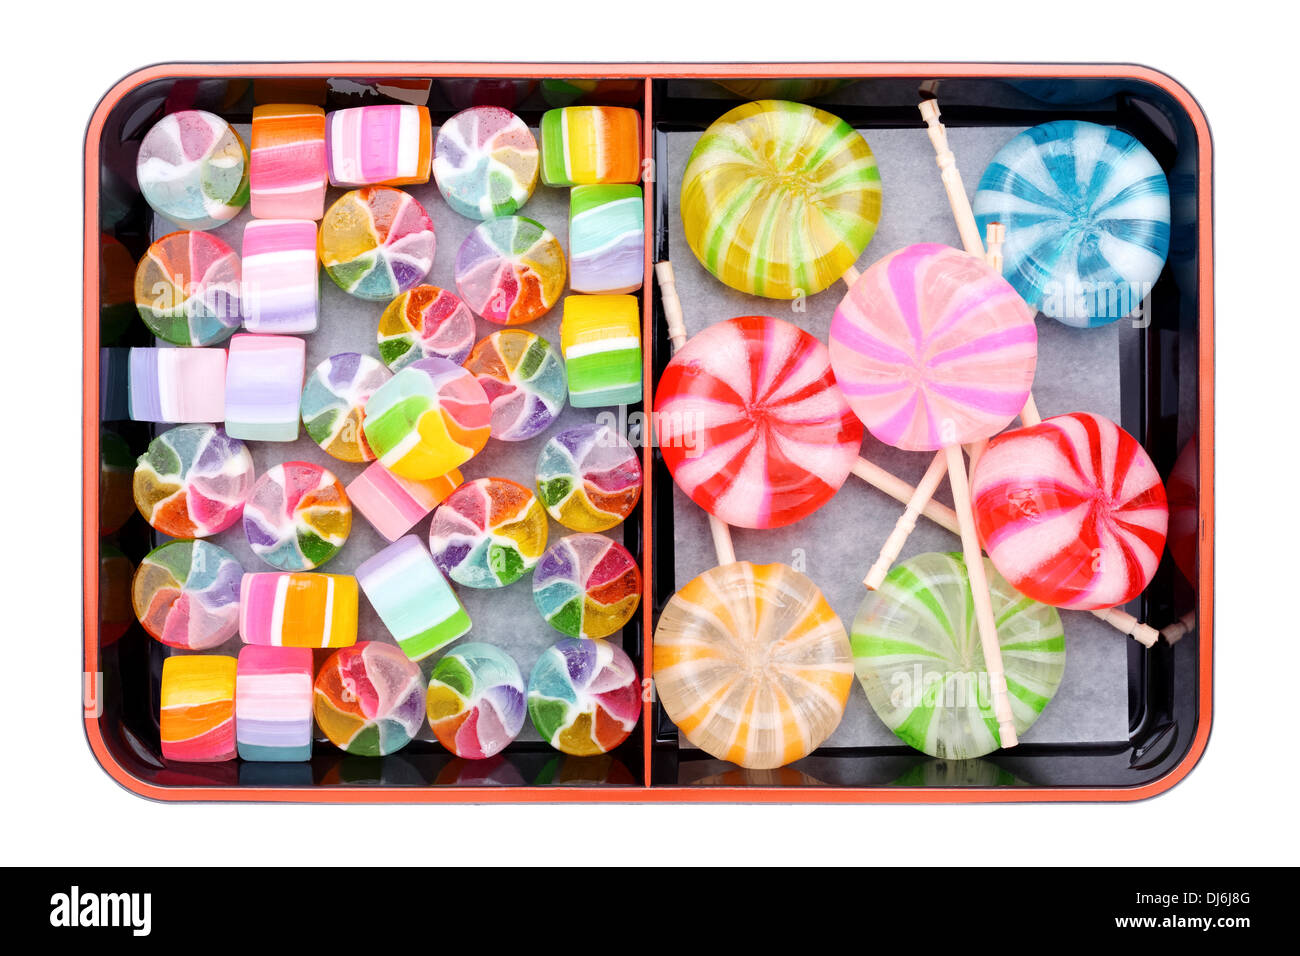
x=523, y=378
x=591, y=144
x=1071, y=511
x=586, y=585
x=752, y=425
x=933, y=348
x=288, y=172
x=281, y=280
x=752, y=665
x=187, y=289
x=601, y=339
x=425, y=322
x=412, y=598
x=606, y=239
x=779, y=199
x=584, y=696
x=176, y=385
x=196, y=719
x=376, y=242
x=193, y=481
x=485, y=161
x=369, y=699
x=186, y=594
x=510, y=270
x=393, y=504
x=273, y=703
x=588, y=477
x=297, y=516
x=488, y=533
x=264, y=386
x=192, y=167
x=917, y=653
x=475, y=700
x=297, y=609
x=382, y=145
x=334, y=401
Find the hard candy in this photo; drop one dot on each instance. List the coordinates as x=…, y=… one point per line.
x=297, y=516
x=588, y=478
x=273, y=703
x=264, y=386
x=384, y=145
x=412, y=598
x=186, y=594
x=600, y=336
x=510, y=270
x=586, y=585
x=196, y=718
x=606, y=239
x=584, y=696
x=176, y=385
x=369, y=699
x=475, y=700
x=524, y=380
x=485, y=161
x=393, y=504
x=488, y=533
x=287, y=609
x=591, y=144
x=376, y=242
x=426, y=322
x=192, y=167
x=334, y=401
x=193, y=481
x=281, y=279
x=288, y=172
x=187, y=289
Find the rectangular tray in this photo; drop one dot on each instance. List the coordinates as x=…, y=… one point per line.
x=1166, y=399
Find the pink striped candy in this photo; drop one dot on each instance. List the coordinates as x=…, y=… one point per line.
x=379, y=146
x=287, y=174
x=393, y=504
x=281, y=288
x=933, y=348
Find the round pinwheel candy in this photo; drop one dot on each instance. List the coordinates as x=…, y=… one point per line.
x=488, y=533
x=193, y=168
x=369, y=699
x=186, y=594
x=523, y=378
x=587, y=586
x=334, y=401
x=193, y=481
x=588, y=477
x=297, y=517
x=510, y=270
x=376, y=242
x=475, y=700
x=584, y=696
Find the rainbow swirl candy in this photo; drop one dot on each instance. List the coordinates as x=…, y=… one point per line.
x=1071, y=511
x=510, y=270
x=193, y=481
x=186, y=594
x=588, y=478
x=752, y=425
x=524, y=380
x=485, y=161
x=196, y=708
x=488, y=533
x=334, y=401
x=584, y=697
x=475, y=700
x=778, y=198
x=376, y=242
x=587, y=586
x=752, y=665
x=193, y=168
x=187, y=289
x=369, y=699
x=917, y=653
x=429, y=418
x=297, y=517
x=425, y=322
x=932, y=348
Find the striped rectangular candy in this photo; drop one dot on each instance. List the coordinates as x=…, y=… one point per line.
x=412, y=598
x=273, y=700
x=606, y=239
x=287, y=172
x=264, y=386
x=176, y=385
x=393, y=504
x=379, y=146
x=196, y=717
x=298, y=609
x=281, y=291
x=591, y=144
x=601, y=339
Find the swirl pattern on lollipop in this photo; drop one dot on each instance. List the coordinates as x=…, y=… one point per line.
x=778, y=198
x=524, y=380
x=193, y=168
x=297, y=517
x=1087, y=215
x=1071, y=511
x=752, y=665
x=588, y=477
x=587, y=586
x=193, y=481
x=584, y=697
x=476, y=700
x=933, y=348
x=752, y=425
x=426, y=322
x=369, y=699
x=488, y=533
x=485, y=160
x=186, y=594
x=187, y=289
x=376, y=242
x=510, y=270
x=920, y=626
x=334, y=401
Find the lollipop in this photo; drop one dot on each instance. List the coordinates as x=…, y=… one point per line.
x=426, y=322
x=369, y=699
x=1088, y=212
x=376, y=242
x=485, y=161
x=922, y=663
x=488, y=533
x=186, y=594
x=429, y=418
x=752, y=425
x=193, y=168
x=187, y=289
x=587, y=586
x=752, y=665
x=476, y=700
x=298, y=516
x=510, y=270
x=588, y=478
x=1071, y=511
x=334, y=401
x=524, y=380
x=584, y=697
x=193, y=480
x=778, y=198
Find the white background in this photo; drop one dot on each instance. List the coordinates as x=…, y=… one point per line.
x=1237, y=806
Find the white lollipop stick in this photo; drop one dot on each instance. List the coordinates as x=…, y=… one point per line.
x=921, y=495
x=957, y=198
